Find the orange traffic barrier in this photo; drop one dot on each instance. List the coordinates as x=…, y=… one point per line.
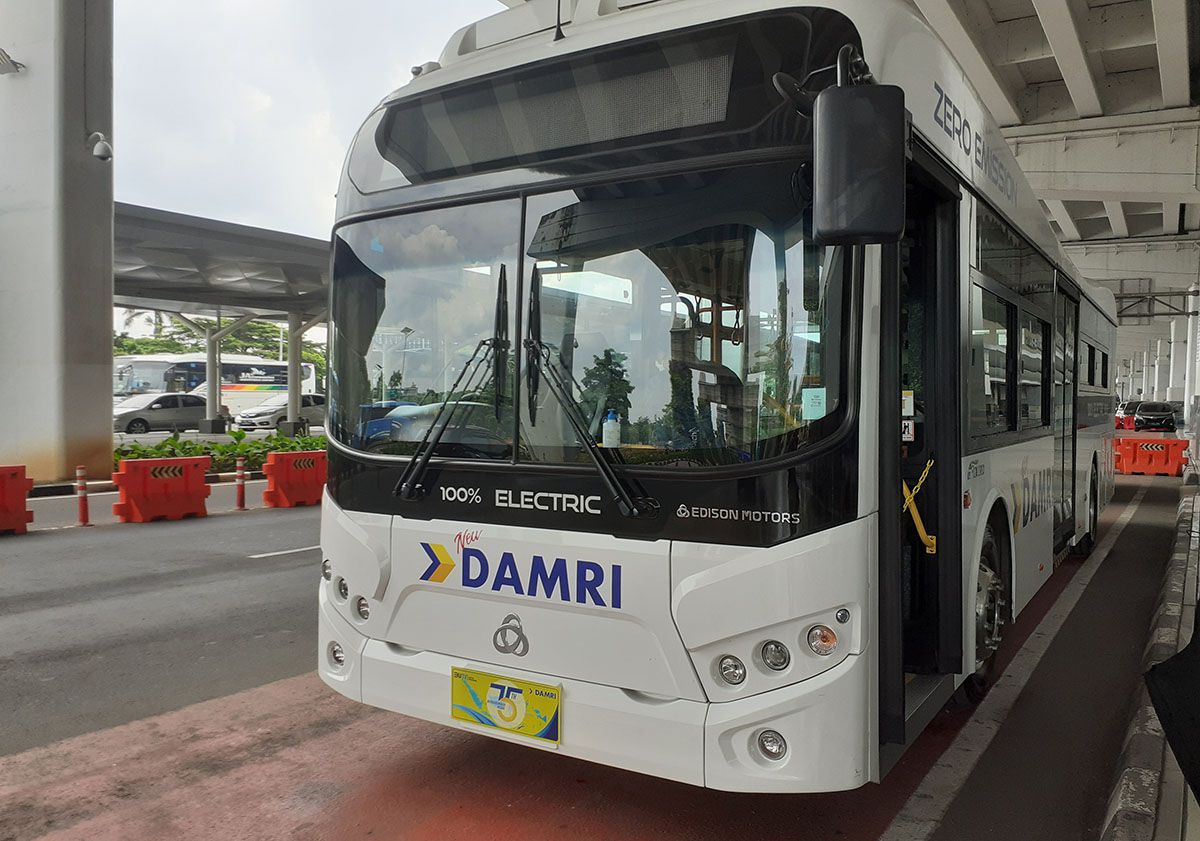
x=1159, y=457
x=294, y=478
x=14, y=488
x=161, y=489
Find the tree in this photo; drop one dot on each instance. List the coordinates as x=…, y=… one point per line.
x=606, y=386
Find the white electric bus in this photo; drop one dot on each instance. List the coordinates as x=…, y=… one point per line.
x=755, y=396
x=246, y=381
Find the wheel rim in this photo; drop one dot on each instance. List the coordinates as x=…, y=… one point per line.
x=988, y=616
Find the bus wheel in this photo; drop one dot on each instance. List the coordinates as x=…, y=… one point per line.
x=989, y=616
x=137, y=427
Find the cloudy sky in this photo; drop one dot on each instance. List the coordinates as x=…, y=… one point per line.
x=242, y=110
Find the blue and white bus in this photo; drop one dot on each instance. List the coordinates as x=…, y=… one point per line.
x=758, y=395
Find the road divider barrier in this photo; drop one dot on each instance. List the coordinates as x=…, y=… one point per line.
x=14, y=488
x=294, y=478
x=161, y=489
x=1161, y=457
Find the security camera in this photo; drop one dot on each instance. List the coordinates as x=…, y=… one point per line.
x=101, y=148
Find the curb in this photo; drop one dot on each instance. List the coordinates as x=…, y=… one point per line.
x=106, y=485
x=1133, y=807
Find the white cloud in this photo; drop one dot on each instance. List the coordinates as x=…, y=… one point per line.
x=242, y=110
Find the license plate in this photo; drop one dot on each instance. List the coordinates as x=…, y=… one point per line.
x=511, y=706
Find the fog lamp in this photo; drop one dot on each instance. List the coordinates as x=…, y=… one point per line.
x=362, y=608
x=336, y=655
x=772, y=745
x=327, y=570
x=822, y=640
x=732, y=670
x=776, y=655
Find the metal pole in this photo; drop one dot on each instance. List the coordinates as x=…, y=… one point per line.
x=241, y=483
x=81, y=494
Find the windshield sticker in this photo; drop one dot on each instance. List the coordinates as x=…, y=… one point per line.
x=814, y=403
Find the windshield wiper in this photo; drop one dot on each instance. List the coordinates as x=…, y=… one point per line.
x=496, y=349
x=539, y=360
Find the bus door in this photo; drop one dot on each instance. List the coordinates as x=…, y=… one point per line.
x=1066, y=322
x=920, y=568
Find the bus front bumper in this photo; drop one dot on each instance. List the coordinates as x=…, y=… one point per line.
x=826, y=720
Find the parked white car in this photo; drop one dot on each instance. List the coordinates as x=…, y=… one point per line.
x=273, y=411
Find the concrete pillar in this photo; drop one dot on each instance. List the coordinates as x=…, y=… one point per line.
x=56, y=237
x=1193, y=359
x=292, y=426
x=1161, y=368
x=213, y=423
x=1178, y=364
x=1144, y=363
x=1189, y=368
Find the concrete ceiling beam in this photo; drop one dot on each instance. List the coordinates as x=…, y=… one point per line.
x=1063, y=32
x=1171, y=29
x=1116, y=218
x=1121, y=27
x=947, y=21
x=1060, y=214
x=1147, y=163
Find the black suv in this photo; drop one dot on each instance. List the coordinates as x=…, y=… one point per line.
x=1155, y=416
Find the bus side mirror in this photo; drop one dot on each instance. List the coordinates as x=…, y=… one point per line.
x=859, y=158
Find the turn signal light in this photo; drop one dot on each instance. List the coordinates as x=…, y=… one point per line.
x=823, y=640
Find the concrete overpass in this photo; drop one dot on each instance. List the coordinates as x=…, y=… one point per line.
x=1098, y=100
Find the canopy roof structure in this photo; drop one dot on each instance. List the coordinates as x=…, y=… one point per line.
x=178, y=263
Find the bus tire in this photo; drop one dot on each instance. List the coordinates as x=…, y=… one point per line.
x=991, y=608
x=1088, y=542
x=137, y=426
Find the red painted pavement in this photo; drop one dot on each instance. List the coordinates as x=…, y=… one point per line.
x=295, y=760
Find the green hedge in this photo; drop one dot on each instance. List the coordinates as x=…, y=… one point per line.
x=224, y=455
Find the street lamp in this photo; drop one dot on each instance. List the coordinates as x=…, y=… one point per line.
x=406, y=332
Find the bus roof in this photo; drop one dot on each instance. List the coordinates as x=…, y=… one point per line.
x=899, y=45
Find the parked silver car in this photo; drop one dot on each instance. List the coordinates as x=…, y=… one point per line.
x=273, y=411
x=142, y=413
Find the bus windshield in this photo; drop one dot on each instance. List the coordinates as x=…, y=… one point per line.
x=689, y=318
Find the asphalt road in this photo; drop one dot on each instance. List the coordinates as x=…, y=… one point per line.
x=110, y=624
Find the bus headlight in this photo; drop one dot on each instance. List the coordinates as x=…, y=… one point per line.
x=776, y=655
x=362, y=608
x=731, y=669
x=337, y=656
x=327, y=570
x=343, y=589
x=822, y=640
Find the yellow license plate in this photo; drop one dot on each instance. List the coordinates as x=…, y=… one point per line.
x=507, y=705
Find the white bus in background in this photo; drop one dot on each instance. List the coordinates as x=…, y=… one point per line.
x=856, y=403
x=246, y=381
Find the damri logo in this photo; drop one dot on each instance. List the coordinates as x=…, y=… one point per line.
x=584, y=582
